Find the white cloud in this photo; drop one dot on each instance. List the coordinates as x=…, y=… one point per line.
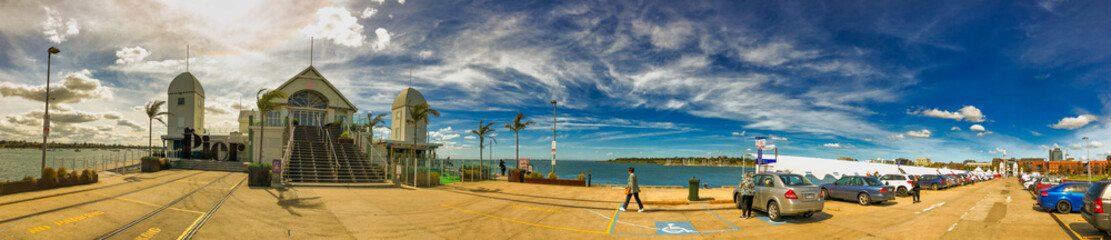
x=774, y=54
x=425, y=54
x=368, y=12
x=838, y=145
x=382, y=133
x=470, y=137
x=867, y=139
x=383, y=40
x=776, y=138
x=402, y=2
x=985, y=133
x=378, y=1
x=1077, y=146
x=670, y=36
x=131, y=55
x=977, y=127
x=131, y=124
x=56, y=28
x=76, y=87
x=337, y=24
x=1096, y=144
x=1035, y=133
x=1071, y=123
x=742, y=133
x=990, y=152
x=442, y=135
x=968, y=113
x=955, y=128
x=609, y=154
x=897, y=136
x=919, y=134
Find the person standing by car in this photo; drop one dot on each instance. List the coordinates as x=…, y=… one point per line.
x=916, y=190
x=748, y=191
x=632, y=190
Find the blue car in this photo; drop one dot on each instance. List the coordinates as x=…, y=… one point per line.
x=865, y=190
x=1063, y=198
x=932, y=182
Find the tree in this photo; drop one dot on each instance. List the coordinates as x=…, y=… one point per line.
x=516, y=127
x=483, y=130
x=153, y=107
x=417, y=114
x=373, y=123
x=264, y=102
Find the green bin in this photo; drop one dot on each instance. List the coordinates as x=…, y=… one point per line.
x=694, y=189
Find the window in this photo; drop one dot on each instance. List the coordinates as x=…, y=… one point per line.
x=273, y=119
x=873, y=182
x=856, y=182
x=764, y=181
x=180, y=101
x=842, y=181
x=793, y=180
x=307, y=99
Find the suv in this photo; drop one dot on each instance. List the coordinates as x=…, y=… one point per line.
x=931, y=181
x=902, y=183
x=1094, y=200
x=780, y=194
x=866, y=190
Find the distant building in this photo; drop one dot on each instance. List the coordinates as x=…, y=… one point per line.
x=883, y=161
x=1055, y=155
x=922, y=162
x=903, y=161
x=969, y=161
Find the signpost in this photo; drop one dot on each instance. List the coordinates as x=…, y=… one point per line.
x=522, y=163
x=760, y=143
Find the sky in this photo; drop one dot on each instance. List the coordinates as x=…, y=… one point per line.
x=947, y=80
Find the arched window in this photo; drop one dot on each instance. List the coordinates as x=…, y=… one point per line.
x=308, y=99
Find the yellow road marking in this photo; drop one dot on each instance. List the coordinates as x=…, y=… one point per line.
x=834, y=209
x=537, y=209
x=147, y=203
x=191, y=226
x=1070, y=228
x=149, y=234
x=239, y=182
x=513, y=220
x=614, y=220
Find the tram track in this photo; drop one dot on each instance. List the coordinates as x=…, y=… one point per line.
x=95, y=200
x=161, y=209
x=192, y=230
x=72, y=192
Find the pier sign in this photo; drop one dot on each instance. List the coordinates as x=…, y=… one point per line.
x=761, y=142
x=522, y=163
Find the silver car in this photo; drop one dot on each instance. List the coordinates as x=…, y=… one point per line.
x=1095, y=199
x=784, y=194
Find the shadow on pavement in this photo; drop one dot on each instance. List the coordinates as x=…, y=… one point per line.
x=289, y=201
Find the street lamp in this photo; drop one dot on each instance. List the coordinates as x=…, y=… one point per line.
x=553, y=135
x=1088, y=149
x=46, y=115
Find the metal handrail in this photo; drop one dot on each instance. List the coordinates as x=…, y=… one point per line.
x=288, y=152
x=331, y=153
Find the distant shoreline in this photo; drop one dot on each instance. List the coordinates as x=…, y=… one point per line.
x=679, y=162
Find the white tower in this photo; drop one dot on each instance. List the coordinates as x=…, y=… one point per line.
x=185, y=103
x=400, y=129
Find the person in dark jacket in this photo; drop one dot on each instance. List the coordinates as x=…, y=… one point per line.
x=916, y=190
x=632, y=191
x=501, y=164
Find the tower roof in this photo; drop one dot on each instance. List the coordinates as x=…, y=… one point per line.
x=186, y=83
x=409, y=95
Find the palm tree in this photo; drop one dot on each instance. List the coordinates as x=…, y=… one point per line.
x=417, y=114
x=483, y=130
x=373, y=123
x=153, y=113
x=516, y=127
x=264, y=102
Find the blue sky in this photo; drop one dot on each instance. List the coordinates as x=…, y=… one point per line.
x=948, y=80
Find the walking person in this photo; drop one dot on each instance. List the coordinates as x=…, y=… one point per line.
x=501, y=164
x=632, y=191
x=916, y=191
x=748, y=191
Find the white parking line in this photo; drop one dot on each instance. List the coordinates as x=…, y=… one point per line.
x=1008, y=199
x=951, y=227
x=931, y=208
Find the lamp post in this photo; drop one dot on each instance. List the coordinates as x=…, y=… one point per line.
x=1088, y=149
x=46, y=115
x=553, y=136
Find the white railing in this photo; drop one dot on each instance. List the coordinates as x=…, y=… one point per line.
x=288, y=152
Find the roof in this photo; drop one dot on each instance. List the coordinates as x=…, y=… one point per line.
x=409, y=95
x=311, y=72
x=186, y=83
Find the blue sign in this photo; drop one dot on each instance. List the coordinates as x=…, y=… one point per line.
x=675, y=228
x=767, y=161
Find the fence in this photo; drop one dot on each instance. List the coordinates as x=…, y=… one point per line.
x=429, y=172
x=109, y=161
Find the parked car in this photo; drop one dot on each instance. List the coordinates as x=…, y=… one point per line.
x=931, y=181
x=951, y=181
x=1030, y=181
x=784, y=194
x=1046, y=183
x=865, y=190
x=1063, y=198
x=902, y=183
x=1095, y=199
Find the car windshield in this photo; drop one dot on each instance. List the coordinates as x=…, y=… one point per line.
x=873, y=181
x=793, y=180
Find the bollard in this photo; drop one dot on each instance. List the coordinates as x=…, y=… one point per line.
x=693, y=189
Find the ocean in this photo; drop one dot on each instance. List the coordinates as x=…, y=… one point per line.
x=647, y=174
x=18, y=163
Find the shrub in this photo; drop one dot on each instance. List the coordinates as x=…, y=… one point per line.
x=255, y=166
x=62, y=173
x=86, y=176
x=345, y=135
x=149, y=158
x=534, y=175
x=552, y=176
x=72, y=178
x=581, y=177
x=28, y=179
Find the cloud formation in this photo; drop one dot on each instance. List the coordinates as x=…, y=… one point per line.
x=382, y=41
x=57, y=28
x=977, y=127
x=967, y=113
x=337, y=24
x=919, y=134
x=1071, y=123
x=76, y=87
x=131, y=55
x=838, y=145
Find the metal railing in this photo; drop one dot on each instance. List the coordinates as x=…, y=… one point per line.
x=288, y=152
x=331, y=154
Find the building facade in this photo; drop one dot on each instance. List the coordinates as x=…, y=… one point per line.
x=1055, y=155
x=922, y=162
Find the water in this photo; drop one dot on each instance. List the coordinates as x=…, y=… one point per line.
x=647, y=174
x=18, y=163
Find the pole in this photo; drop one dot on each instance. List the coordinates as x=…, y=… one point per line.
x=553, y=136
x=46, y=115
x=1088, y=149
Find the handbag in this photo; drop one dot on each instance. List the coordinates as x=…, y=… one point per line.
x=626, y=190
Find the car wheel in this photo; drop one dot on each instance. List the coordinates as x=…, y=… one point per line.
x=864, y=199
x=902, y=191
x=737, y=200
x=934, y=186
x=773, y=212
x=1063, y=207
x=825, y=194
x=808, y=214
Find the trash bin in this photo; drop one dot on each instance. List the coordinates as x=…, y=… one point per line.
x=694, y=189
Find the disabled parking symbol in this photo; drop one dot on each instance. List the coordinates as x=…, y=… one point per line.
x=675, y=228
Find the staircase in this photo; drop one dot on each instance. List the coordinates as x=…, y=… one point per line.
x=311, y=162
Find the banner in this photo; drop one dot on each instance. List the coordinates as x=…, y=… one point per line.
x=522, y=163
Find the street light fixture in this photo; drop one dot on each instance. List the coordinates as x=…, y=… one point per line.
x=46, y=115
x=1088, y=149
